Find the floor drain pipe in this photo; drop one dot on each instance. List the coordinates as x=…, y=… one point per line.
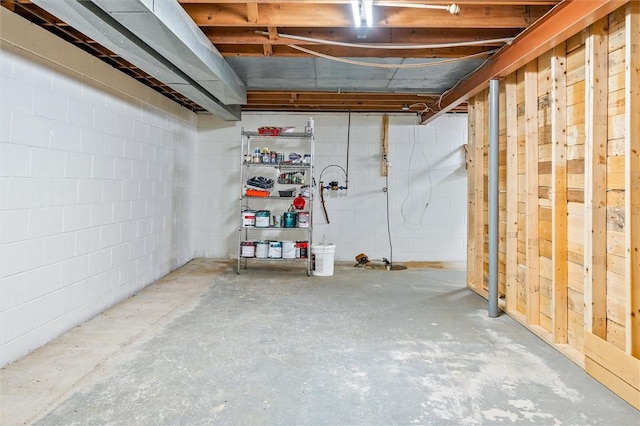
x=493, y=197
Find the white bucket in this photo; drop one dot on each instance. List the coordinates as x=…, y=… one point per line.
x=262, y=249
x=322, y=259
x=288, y=250
x=275, y=249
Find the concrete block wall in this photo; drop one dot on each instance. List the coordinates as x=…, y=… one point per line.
x=97, y=186
x=427, y=188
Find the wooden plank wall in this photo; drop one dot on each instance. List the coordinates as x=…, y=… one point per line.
x=568, y=198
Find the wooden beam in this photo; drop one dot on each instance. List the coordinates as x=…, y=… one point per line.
x=385, y=145
x=632, y=169
x=595, y=176
x=254, y=50
x=314, y=15
x=559, y=198
x=614, y=368
x=531, y=140
x=406, y=36
x=567, y=19
x=252, y=13
x=511, y=253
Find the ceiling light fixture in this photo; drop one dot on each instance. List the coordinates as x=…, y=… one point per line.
x=355, y=8
x=362, y=9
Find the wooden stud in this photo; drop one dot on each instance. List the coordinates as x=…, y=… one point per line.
x=471, y=199
x=559, y=201
x=531, y=167
x=385, y=144
x=595, y=237
x=481, y=219
x=632, y=181
x=511, y=253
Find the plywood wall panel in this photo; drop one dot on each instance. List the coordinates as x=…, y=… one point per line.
x=569, y=208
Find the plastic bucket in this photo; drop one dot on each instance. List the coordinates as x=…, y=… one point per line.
x=288, y=250
x=262, y=218
x=262, y=249
x=322, y=259
x=275, y=249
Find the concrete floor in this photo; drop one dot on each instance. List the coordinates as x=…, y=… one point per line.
x=206, y=346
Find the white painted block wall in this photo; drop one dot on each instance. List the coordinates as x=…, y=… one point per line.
x=427, y=185
x=97, y=186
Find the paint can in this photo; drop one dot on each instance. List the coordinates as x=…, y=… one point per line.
x=275, y=249
x=263, y=218
x=303, y=219
x=289, y=219
x=248, y=249
x=277, y=221
x=248, y=218
x=262, y=249
x=302, y=248
x=288, y=250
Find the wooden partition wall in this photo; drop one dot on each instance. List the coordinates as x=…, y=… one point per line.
x=569, y=198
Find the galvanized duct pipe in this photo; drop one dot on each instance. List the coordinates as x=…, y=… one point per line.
x=493, y=197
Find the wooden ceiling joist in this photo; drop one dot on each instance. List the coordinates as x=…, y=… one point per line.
x=314, y=15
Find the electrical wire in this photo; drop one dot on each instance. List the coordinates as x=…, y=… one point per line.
x=409, y=180
x=505, y=40
x=398, y=66
x=386, y=178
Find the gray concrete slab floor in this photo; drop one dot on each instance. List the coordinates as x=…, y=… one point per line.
x=272, y=346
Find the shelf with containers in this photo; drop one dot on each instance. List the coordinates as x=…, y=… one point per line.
x=276, y=197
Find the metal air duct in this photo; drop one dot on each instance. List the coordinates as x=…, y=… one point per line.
x=161, y=39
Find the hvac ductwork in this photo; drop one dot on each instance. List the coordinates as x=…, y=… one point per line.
x=161, y=39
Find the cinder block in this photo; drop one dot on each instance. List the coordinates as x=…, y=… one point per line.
x=23, y=193
x=47, y=163
x=78, y=165
x=73, y=270
x=103, y=167
x=41, y=281
x=111, y=190
x=17, y=95
x=45, y=221
x=51, y=105
x=14, y=225
x=101, y=214
x=87, y=241
x=99, y=261
x=110, y=235
x=21, y=256
x=90, y=191
x=12, y=291
x=30, y=130
x=59, y=247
